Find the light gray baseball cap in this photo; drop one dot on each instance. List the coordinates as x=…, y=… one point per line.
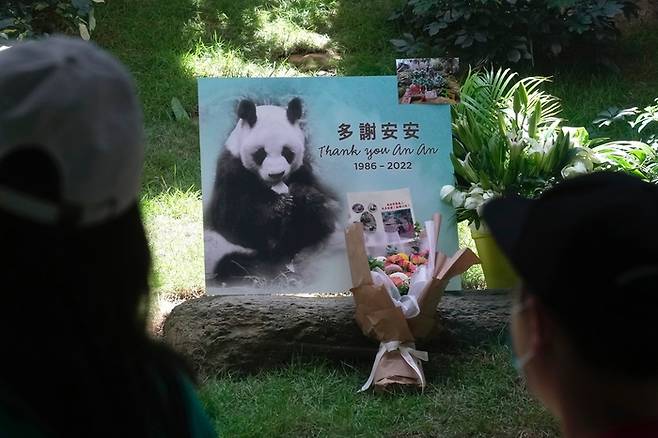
x=78, y=104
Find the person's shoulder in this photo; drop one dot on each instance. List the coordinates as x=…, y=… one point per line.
x=199, y=423
x=173, y=376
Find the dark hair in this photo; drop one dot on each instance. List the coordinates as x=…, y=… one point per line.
x=76, y=357
x=614, y=330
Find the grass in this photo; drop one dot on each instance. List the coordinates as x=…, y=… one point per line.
x=171, y=206
x=168, y=43
x=476, y=394
x=636, y=84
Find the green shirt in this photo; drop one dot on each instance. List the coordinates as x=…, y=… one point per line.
x=15, y=421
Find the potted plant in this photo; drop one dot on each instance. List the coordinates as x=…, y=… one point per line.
x=508, y=139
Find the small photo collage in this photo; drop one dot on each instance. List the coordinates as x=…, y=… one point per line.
x=428, y=81
x=387, y=216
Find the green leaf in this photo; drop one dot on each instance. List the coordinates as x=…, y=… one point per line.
x=84, y=32
x=516, y=105
x=92, y=20
x=534, y=118
x=523, y=95
x=83, y=6
x=435, y=27
x=178, y=110
x=399, y=43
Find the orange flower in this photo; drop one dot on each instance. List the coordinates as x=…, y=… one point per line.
x=417, y=259
x=394, y=259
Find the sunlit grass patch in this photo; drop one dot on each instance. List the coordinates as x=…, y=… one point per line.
x=218, y=60
x=174, y=228
x=315, y=15
x=278, y=37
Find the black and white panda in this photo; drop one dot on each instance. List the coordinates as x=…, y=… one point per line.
x=266, y=197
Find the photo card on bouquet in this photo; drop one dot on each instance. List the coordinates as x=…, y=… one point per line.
x=387, y=217
x=288, y=163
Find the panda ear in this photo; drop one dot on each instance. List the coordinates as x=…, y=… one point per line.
x=294, y=110
x=247, y=112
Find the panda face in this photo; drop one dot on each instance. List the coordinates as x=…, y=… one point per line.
x=268, y=140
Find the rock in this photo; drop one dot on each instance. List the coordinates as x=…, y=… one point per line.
x=247, y=333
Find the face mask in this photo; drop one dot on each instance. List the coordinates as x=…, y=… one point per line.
x=519, y=363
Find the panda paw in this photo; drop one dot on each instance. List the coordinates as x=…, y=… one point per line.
x=283, y=205
x=308, y=196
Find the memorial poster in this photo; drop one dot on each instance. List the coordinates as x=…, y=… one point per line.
x=288, y=163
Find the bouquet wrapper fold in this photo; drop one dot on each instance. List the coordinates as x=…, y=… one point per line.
x=425, y=325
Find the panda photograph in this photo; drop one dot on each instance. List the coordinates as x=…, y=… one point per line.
x=268, y=208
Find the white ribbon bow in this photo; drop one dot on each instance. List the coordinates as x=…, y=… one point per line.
x=407, y=350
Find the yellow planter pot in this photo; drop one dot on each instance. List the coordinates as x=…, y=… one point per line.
x=497, y=271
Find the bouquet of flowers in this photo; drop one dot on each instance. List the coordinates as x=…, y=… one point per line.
x=394, y=318
x=399, y=265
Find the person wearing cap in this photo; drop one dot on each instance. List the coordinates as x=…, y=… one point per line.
x=584, y=323
x=74, y=260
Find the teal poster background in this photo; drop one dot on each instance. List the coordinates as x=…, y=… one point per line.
x=350, y=164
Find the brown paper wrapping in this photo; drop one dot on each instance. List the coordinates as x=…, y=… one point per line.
x=394, y=370
x=379, y=317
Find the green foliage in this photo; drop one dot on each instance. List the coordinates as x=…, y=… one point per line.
x=644, y=121
x=633, y=157
x=640, y=157
x=506, y=139
x=26, y=19
x=508, y=31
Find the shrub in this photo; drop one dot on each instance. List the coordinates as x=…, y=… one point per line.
x=509, y=31
x=26, y=19
x=643, y=124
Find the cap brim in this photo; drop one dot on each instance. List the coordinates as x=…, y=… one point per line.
x=505, y=218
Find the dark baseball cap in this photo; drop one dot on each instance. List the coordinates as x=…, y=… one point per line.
x=596, y=232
